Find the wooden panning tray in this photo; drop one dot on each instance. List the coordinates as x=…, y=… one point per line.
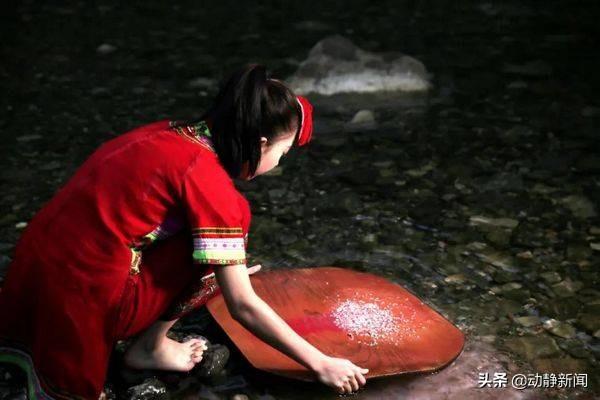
x=367, y=319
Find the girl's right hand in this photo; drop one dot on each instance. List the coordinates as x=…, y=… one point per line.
x=341, y=374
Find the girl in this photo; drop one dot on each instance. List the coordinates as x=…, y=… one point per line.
x=110, y=256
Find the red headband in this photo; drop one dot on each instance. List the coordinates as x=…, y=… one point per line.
x=306, y=121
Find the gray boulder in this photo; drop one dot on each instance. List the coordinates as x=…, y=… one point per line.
x=336, y=65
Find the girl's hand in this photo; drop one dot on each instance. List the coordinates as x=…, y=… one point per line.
x=254, y=269
x=341, y=374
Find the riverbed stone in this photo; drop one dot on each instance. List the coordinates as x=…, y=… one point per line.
x=533, y=347
x=575, y=348
x=150, y=389
x=559, y=365
x=336, y=65
x=363, y=118
x=578, y=251
x=558, y=328
x=567, y=288
x=580, y=206
x=589, y=322
x=591, y=307
x=561, y=308
x=551, y=277
x=528, y=321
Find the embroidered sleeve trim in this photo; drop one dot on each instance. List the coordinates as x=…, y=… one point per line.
x=216, y=245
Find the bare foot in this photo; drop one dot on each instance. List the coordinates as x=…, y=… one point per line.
x=168, y=355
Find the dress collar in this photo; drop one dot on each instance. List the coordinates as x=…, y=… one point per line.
x=197, y=132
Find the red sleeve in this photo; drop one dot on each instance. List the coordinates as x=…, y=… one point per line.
x=219, y=222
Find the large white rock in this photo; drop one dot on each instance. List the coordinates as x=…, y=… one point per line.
x=336, y=65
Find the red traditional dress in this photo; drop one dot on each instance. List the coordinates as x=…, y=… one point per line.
x=93, y=267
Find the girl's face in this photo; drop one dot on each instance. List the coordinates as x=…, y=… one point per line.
x=272, y=151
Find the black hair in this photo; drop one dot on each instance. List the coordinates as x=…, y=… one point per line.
x=249, y=105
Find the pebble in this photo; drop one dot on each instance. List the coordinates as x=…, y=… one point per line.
x=567, y=288
x=533, y=347
x=363, y=117
x=558, y=328
x=528, y=321
x=148, y=390
x=105, y=49
x=551, y=277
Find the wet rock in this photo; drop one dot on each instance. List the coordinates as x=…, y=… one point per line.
x=347, y=203
x=520, y=295
x=592, y=307
x=516, y=85
x=528, y=234
x=28, y=138
x=499, y=238
x=455, y=279
x=580, y=206
x=502, y=181
x=276, y=194
x=525, y=255
x=558, y=328
x=312, y=26
x=578, y=251
x=528, y=321
x=507, y=306
x=240, y=396
x=336, y=65
x=287, y=238
x=213, y=361
x=513, y=291
x=265, y=228
x=105, y=49
x=479, y=220
x=551, y=277
x=497, y=230
x=363, y=119
x=533, y=347
x=150, y=389
x=575, y=348
x=502, y=276
x=498, y=259
x=421, y=171
x=51, y=166
x=595, y=246
x=567, y=288
x=202, y=83
x=561, y=308
x=589, y=322
x=560, y=365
